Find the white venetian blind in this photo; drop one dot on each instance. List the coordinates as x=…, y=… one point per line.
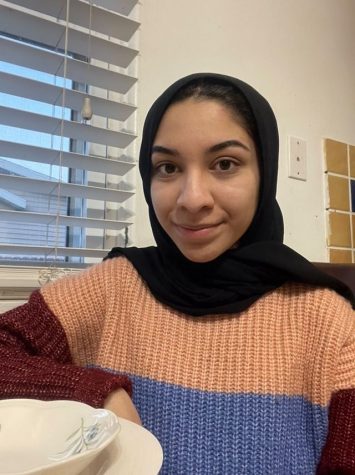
x=66, y=171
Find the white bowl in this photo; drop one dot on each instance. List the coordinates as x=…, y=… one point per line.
x=134, y=451
x=52, y=437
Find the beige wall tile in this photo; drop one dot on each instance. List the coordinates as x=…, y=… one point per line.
x=352, y=160
x=339, y=230
x=336, y=156
x=338, y=193
x=340, y=256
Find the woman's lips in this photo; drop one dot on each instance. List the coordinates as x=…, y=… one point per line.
x=196, y=232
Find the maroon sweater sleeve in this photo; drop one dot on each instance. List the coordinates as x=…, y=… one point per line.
x=338, y=457
x=35, y=360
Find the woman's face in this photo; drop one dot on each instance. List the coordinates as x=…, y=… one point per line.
x=205, y=178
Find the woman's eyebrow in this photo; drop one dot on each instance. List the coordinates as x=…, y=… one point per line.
x=226, y=144
x=165, y=150
x=215, y=148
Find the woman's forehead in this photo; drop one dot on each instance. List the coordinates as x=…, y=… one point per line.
x=201, y=112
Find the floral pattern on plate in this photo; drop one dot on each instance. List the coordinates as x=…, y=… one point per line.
x=89, y=435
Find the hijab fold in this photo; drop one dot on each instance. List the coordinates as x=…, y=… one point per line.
x=259, y=264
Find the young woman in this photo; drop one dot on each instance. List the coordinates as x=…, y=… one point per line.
x=241, y=354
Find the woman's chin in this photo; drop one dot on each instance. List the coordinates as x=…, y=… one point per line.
x=199, y=256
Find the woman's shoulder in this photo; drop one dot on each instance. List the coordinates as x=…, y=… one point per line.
x=308, y=293
x=302, y=294
x=116, y=270
x=318, y=305
x=115, y=266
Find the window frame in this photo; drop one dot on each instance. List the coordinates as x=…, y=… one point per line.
x=19, y=276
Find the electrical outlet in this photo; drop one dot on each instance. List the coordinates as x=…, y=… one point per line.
x=297, y=157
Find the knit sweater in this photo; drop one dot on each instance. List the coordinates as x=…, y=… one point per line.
x=267, y=391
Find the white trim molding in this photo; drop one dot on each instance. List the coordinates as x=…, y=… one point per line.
x=16, y=283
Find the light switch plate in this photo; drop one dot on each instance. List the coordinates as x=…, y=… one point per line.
x=297, y=157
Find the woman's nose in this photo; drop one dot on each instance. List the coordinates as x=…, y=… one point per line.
x=195, y=193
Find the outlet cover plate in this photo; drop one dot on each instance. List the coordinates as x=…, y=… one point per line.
x=297, y=157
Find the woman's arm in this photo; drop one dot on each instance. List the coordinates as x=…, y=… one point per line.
x=35, y=360
x=338, y=456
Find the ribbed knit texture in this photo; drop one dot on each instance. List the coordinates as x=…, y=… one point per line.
x=244, y=394
x=35, y=360
x=234, y=394
x=339, y=453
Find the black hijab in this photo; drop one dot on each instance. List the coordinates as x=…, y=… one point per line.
x=240, y=276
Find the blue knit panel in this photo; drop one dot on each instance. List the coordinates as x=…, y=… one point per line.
x=237, y=434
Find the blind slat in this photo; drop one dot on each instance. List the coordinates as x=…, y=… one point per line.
x=103, y=21
x=50, y=33
x=124, y=7
x=71, y=129
x=40, y=91
x=52, y=219
x=52, y=251
x=48, y=187
x=68, y=159
x=53, y=63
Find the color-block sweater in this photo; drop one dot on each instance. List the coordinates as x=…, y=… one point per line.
x=270, y=390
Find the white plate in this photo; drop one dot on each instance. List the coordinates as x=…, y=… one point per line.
x=134, y=451
x=47, y=438
x=57, y=437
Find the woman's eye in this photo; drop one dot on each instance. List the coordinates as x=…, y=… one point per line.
x=166, y=169
x=225, y=165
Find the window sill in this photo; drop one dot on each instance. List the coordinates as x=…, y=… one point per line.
x=16, y=283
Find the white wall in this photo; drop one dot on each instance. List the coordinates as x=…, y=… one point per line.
x=298, y=53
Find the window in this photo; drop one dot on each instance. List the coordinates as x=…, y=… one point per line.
x=68, y=74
